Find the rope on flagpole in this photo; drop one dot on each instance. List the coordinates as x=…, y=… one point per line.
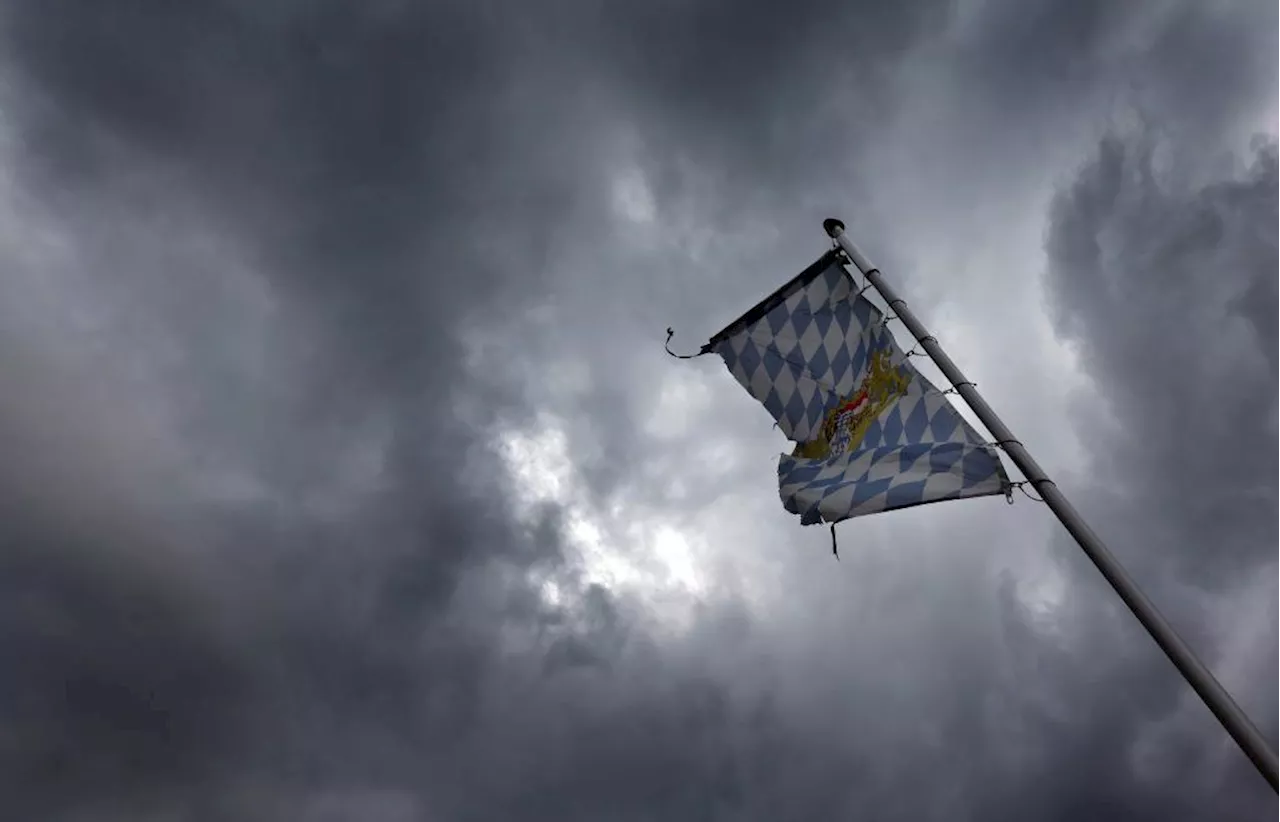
x=667, y=345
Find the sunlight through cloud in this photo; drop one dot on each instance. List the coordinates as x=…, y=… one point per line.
x=625, y=549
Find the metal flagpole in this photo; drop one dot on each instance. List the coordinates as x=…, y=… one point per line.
x=1196, y=674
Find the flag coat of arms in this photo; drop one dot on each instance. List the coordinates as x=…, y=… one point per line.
x=871, y=434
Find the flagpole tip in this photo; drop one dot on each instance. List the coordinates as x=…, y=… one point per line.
x=833, y=227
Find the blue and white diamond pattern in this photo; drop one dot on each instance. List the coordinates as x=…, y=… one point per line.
x=811, y=351
x=872, y=480
x=805, y=354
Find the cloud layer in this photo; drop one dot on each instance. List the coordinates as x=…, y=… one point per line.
x=344, y=478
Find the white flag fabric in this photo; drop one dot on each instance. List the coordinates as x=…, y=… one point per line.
x=871, y=433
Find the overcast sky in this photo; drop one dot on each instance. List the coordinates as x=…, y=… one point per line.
x=343, y=475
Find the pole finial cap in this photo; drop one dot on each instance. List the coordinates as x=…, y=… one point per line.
x=833, y=227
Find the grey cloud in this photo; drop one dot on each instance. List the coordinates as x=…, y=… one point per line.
x=1150, y=280
x=1040, y=61
x=392, y=179
x=390, y=175
x=1143, y=273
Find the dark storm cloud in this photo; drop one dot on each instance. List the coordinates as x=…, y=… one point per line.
x=1168, y=294
x=762, y=99
x=1045, y=59
x=394, y=177
x=1161, y=273
x=1029, y=85
x=1146, y=276
x=360, y=164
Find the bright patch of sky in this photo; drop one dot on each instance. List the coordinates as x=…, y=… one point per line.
x=631, y=197
x=624, y=549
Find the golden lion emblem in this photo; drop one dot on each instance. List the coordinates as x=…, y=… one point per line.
x=847, y=423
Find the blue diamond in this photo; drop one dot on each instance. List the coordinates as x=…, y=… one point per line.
x=819, y=365
x=944, y=423
x=773, y=404
x=796, y=408
x=773, y=363
x=892, y=428
x=943, y=457
x=840, y=365
x=904, y=494
x=873, y=438
x=916, y=422
x=778, y=319
x=908, y=454
x=749, y=359
x=868, y=489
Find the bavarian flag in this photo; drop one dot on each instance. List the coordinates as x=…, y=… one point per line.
x=871, y=434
